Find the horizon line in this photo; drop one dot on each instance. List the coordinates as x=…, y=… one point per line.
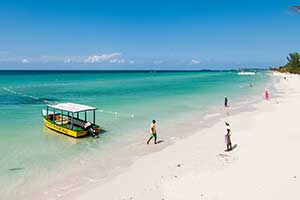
x=131, y=70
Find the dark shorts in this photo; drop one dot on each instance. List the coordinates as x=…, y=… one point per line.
x=154, y=135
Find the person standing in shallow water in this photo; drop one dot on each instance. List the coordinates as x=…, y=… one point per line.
x=228, y=137
x=153, y=132
x=226, y=102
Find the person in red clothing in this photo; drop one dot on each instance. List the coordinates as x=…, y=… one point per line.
x=267, y=95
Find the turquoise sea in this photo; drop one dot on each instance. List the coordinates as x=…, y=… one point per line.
x=127, y=102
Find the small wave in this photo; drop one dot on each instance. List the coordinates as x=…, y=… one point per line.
x=212, y=115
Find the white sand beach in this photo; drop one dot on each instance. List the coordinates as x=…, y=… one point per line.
x=264, y=165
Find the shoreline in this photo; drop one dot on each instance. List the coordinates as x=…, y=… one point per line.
x=193, y=168
x=67, y=189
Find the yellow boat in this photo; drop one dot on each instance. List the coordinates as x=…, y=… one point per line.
x=65, y=118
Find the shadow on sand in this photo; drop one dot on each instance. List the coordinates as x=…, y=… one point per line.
x=233, y=147
x=159, y=141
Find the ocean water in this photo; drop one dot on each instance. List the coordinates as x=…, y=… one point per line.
x=127, y=102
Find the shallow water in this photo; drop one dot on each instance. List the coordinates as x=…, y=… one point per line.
x=31, y=150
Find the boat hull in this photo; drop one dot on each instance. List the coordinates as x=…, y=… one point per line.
x=61, y=129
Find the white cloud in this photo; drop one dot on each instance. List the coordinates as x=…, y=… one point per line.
x=194, y=61
x=117, y=61
x=158, y=62
x=25, y=60
x=114, y=57
x=67, y=60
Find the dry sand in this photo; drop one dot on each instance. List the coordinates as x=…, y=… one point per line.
x=264, y=165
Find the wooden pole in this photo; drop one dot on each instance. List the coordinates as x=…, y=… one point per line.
x=61, y=118
x=72, y=120
x=94, y=116
x=53, y=119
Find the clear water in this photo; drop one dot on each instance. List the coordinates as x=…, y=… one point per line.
x=29, y=149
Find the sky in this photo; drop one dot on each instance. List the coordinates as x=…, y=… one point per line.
x=136, y=34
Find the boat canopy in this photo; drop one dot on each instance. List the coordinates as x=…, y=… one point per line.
x=72, y=107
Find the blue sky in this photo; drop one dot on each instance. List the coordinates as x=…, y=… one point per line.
x=72, y=34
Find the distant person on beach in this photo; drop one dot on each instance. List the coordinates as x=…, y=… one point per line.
x=153, y=132
x=228, y=137
x=267, y=95
x=226, y=102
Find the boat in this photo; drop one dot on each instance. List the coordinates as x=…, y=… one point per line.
x=71, y=119
x=246, y=73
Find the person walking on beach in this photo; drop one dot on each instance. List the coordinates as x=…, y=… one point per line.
x=226, y=102
x=228, y=137
x=153, y=132
x=267, y=96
